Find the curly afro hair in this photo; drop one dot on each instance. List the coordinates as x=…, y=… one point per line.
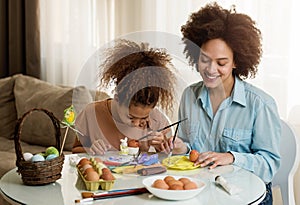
x=142, y=76
x=237, y=30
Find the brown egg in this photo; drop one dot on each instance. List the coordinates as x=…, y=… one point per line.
x=191, y=185
x=92, y=176
x=105, y=170
x=107, y=176
x=133, y=143
x=194, y=154
x=168, y=178
x=176, y=187
x=172, y=182
x=87, y=170
x=83, y=161
x=184, y=180
x=160, y=184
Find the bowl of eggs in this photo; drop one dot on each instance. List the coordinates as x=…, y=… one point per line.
x=174, y=187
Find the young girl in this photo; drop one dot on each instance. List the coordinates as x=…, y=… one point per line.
x=144, y=80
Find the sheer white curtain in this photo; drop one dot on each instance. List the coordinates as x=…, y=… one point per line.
x=72, y=30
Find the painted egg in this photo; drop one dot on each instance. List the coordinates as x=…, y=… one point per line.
x=27, y=156
x=51, y=156
x=37, y=158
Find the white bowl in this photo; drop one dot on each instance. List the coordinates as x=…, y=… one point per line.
x=173, y=194
x=133, y=150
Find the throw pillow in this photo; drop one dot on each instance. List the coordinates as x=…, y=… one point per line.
x=8, y=113
x=31, y=93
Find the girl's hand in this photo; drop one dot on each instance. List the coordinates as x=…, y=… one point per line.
x=159, y=141
x=163, y=144
x=179, y=146
x=99, y=147
x=213, y=159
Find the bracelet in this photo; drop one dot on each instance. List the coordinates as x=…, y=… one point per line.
x=188, y=149
x=232, y=156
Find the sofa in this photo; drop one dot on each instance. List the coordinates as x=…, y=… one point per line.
x=20, y=93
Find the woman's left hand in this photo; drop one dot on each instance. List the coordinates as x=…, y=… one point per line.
x=213, y=159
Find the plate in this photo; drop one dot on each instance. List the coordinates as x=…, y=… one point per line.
x=118, y=160
x=179, y=162
x=173, y=194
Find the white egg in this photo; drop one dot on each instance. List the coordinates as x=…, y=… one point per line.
x=27, y=156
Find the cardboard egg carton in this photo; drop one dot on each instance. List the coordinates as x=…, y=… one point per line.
x=96, y=185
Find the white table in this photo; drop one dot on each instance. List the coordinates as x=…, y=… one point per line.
x=65, y=191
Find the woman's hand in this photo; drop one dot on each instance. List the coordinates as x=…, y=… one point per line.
x=213, y=159
x=99, y=147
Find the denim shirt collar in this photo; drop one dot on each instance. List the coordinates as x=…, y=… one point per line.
x=237, y=95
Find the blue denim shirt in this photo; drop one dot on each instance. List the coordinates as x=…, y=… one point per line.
x=246, y=124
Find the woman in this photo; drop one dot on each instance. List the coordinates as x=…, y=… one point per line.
x=144, y=80
x=230, y=121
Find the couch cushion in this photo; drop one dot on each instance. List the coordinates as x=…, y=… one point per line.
x=8, y=113
x=7, y=164
x=33, y=93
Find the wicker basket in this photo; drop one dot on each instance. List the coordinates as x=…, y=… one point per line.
x=43, y=172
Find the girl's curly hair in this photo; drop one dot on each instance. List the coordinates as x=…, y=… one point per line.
x=141, y=75
x=237, y=30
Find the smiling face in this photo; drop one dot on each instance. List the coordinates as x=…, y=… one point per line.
x=216, y=64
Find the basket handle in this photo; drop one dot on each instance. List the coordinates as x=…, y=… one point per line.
x=18, y=130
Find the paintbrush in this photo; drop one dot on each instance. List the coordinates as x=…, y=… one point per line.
x=164, y=128
x=173, y=140
x=88, y=196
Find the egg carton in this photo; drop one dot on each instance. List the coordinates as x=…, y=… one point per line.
x=101, y=183
x=96, y=185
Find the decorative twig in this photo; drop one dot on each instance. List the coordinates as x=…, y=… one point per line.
x=64, y=140
x=68, y=122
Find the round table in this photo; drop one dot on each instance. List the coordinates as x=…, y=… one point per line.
x=68, y=188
